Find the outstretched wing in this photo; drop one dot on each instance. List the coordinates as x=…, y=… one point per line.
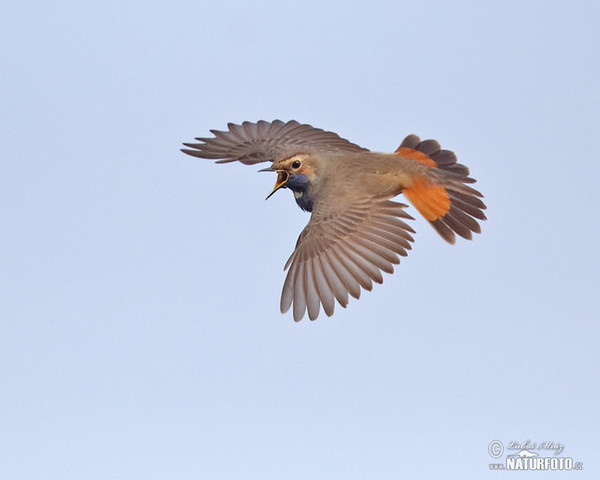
x=341, y=249
x=263, y=141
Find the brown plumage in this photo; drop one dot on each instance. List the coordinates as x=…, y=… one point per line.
x=355, y=231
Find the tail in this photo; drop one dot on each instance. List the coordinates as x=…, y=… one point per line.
x=450, y=206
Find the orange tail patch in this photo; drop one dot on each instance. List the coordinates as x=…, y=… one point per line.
x=450, y=205
x=415, y=155
x=432, y=201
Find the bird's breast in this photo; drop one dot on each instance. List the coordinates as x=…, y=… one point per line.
x=303, y=200
x=301, y=186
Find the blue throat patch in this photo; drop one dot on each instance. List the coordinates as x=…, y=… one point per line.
x=299, y=184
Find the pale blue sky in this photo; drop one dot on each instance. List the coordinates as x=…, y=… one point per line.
x=140, y=333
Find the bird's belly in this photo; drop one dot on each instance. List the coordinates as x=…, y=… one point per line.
x=391, y=182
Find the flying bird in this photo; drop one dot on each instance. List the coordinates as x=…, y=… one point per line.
x=355, y=231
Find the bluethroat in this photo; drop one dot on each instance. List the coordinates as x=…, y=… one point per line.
x=355, y=231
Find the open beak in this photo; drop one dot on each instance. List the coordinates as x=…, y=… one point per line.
x=282, y=178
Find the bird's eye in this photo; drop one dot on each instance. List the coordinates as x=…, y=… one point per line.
x=296, y=164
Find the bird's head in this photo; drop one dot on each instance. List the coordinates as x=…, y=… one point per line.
x=295, y=173
x=298, y=174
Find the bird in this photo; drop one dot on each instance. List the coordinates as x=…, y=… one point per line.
x=355, y=231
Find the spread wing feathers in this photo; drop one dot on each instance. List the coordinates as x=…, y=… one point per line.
x=341, y=251
x=263, y=141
